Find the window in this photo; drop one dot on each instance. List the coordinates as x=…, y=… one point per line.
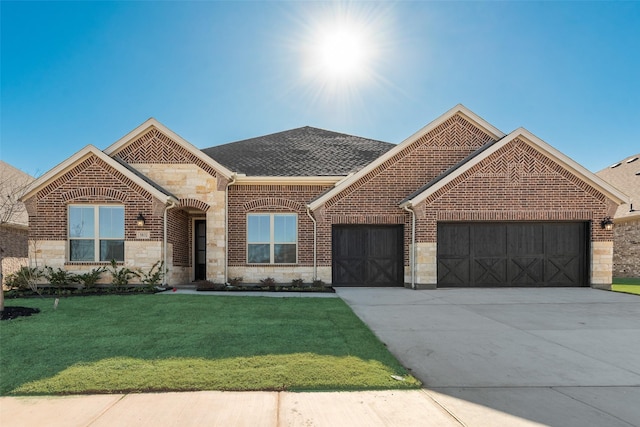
x=272, y=238
x=96, y=233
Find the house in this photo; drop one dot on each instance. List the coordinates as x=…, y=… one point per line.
x=458, y=203
x=625, y=175
x=14, y=221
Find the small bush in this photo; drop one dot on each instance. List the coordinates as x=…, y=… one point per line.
x=297, y=283
x=120, y=276
x=319, y=284
x=88, y=280
x=154, y=276
x=25, y=278
x=269, y=281
x=59, y=277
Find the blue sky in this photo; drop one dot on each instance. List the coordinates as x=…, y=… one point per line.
x=78, y=73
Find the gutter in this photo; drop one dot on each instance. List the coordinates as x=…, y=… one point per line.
x=226, y=227
x=170, y=205
x=413, y=245
x=315, y=239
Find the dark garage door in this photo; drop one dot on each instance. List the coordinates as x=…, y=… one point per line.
x=365, y=255
x=512, y=254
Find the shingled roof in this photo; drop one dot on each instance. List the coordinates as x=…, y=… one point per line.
x=304, y=151
x=625, y=175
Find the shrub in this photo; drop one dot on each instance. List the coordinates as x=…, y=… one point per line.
x=297, y=283
x=120, y=276
x=59, y=277
x=319, y=284
x=25, y=278
x=269, y=281
x=89, y=279
x=154, y=276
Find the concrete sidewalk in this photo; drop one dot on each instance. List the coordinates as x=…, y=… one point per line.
x=251, y=409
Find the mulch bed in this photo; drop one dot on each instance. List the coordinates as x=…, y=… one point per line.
x=14, y=312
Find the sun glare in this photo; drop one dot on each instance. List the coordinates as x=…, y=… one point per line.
x=343, y=46
x=342, y=53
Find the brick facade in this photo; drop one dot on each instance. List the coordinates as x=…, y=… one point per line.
x=14, y=241
x=244, y=199
x=514, y=183
x=374, y=199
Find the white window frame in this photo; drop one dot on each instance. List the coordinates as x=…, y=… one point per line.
x=271, y=241
x=96, y=231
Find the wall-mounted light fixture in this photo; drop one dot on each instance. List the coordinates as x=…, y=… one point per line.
x=607, y=223
x=140, y=220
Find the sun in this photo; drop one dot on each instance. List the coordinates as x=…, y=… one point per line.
x=343, y=46
x=342, y=53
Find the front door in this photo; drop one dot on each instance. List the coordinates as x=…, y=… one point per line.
x=200, y=239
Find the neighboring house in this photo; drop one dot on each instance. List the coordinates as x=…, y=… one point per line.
x=14, y=221
x=625, y=175
x=459, y=203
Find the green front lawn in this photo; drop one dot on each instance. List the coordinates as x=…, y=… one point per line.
x=143, y=343
x=628, y=285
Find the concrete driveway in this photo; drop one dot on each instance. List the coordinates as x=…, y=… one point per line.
x=559, y=357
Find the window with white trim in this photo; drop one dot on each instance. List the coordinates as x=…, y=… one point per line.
x=272, y=238
x=96, y=233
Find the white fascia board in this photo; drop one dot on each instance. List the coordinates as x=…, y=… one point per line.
x=287, y=180
x=144, y=127
x=81, y=155
x=458, y=109
x=540, y=146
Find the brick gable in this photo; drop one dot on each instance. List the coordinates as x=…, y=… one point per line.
x=515, y=183
x=91, y=181
x=375, y=197
x=155, y=147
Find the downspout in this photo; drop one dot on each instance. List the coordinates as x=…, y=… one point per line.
x=315, y=234
x=226, y=227
x=171, y=205
x=412, y=255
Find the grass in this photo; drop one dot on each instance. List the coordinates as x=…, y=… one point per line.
x=146, y=343
x=627, y=285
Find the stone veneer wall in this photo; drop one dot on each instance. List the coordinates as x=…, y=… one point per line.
x=626, y=248
x=601, y=264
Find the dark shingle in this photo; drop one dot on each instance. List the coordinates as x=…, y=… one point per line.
x=305, y=151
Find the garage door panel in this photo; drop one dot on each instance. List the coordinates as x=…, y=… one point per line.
x=488, y=271
x=526, y=270
x=455, y=240
x=526, y=239
x=513, y=254
x=453, y=270
x=489, y=240
x=368, y=255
